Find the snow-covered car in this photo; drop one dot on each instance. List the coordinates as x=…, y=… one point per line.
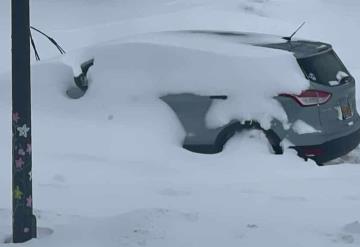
x=323, y=118
x=298, y=92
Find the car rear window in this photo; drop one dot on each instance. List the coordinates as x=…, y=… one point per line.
x=325, y=68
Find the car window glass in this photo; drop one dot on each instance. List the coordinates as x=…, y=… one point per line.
x=325, y=68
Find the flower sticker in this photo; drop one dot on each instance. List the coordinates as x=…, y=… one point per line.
x=19, y=163
x=23, y=131
x=21, y=152
x=29, y=202
x=17, y=193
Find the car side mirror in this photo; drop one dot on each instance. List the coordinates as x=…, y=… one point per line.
x=81, y=81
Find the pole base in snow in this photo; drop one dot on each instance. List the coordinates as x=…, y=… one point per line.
x=22, y=230
x=42, y=232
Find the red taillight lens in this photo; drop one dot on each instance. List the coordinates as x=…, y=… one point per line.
x=312, y=152
x=310, y=97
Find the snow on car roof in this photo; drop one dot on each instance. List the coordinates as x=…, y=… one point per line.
x=234, y=43
x=240, y=37
x=224, y=43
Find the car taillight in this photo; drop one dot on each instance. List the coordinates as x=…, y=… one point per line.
x=312, y=152
x=310, y=97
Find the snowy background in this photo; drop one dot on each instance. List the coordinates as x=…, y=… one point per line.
x=109, y=169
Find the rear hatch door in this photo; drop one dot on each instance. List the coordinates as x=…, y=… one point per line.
x=327, y=73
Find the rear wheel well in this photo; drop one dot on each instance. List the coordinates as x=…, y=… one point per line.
x=230, y=131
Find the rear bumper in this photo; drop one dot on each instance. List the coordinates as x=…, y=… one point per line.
x=331, y=149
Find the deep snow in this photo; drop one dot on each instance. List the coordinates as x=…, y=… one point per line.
x=103, y=175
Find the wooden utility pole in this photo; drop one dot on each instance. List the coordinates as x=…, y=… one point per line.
x=24, y=222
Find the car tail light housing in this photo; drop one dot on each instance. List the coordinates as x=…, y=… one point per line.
x=312, y=152
x=310, y=97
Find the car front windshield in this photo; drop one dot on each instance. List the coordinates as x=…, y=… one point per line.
x=325, y=68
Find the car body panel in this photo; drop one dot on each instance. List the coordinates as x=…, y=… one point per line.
x=191, y=111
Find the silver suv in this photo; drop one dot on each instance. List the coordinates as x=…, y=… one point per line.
x=328, y=106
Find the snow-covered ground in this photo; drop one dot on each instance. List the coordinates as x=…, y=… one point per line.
x=109, y=170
